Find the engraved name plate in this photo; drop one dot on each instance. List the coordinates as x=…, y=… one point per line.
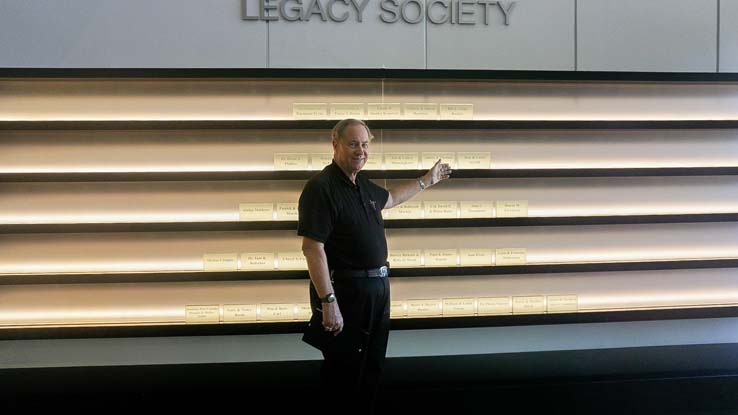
x=421, y=111
x=257, y=261
x=457, y=111
x=511, y=208
x=476, y=209
x=277, y=312
x=446, y=209
x=340, y=111
x=405, y=258
x=220, y=262
x=309, y=111
x=440, y=257
x=202, y=314
x=239, y=313
x=287, y=211
x=401, y=161
x=475, y=257
x=494, y=305
x=423, y=308
x=562, y=303
x=529, y=304
x=254, y=212
x=511, y=256
x=479, y=160
x=291, y=161
x=458, y=306
x=407, y=210
x=389, y=111
x=291, y=261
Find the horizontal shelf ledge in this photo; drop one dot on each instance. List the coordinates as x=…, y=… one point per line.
x=389, y=224
x=397, y=324
x=104, y=278
x=374, y=124
x=368, y=73
x=373, y=174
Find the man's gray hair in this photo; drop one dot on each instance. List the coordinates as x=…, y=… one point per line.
x=340, y=127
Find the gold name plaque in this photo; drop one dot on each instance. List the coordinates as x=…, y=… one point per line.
x=202, y=314
x=309, y=111
x=389, y=111
x=405, y=258
x=423, y=308
x=238, y=313
x=257, y=261
x=562, y=303
x=494, y=305
x=255, y=211
x=457, y=111
x=220, y=262
x=511, y=256
x=529, y=304
x=458, y=306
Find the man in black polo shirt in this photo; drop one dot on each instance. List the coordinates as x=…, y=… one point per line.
x=340, y=220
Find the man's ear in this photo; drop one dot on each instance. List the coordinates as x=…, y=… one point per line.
x=334, y=142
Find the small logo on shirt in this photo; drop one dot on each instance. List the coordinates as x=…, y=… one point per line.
x=374, y=204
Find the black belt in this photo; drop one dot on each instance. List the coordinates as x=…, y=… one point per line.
x=381, y=272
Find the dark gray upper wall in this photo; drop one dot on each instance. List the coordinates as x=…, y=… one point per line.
x=602, y=35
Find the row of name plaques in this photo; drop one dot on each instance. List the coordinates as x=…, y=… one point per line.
x=382, y=111
x=407, y=258
x=429, y=209
x=449, y=307
x=474, y=160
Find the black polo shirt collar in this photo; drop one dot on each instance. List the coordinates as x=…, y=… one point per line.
x=336, y=171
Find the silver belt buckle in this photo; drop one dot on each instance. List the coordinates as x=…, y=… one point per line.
x=383, y=271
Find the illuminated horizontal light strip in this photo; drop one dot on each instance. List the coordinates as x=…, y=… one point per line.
x=133, y=169
x=120, y=217
x=106, y=266
x=175, y=217
x=65, y=320
x=646, y=291
x=91, y=315
x=643, y=255
x=72, y=331
x=96, y=316
x=188, y=268
x=650, y=298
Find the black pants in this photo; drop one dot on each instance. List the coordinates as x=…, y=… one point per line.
x=351, y=377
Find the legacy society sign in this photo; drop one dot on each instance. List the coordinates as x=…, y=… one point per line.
x=463, y=12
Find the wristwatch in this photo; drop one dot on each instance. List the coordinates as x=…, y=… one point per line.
x=328, y=298
x=421, y=183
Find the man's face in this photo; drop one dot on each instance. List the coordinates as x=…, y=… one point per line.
x=352, y=149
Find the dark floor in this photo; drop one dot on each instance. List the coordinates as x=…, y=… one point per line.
x=229, y=387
